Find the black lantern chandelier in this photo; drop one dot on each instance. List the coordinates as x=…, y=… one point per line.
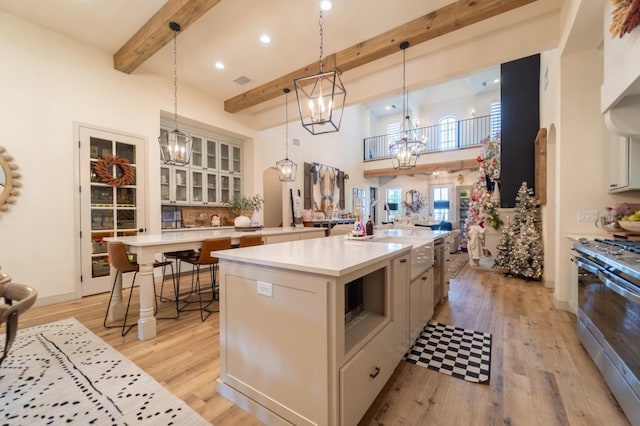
x=405, y=149
x=286, y=168
x=321, y=98
x=175, y=146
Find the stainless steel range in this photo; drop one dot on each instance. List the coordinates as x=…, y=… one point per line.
x=609, y=314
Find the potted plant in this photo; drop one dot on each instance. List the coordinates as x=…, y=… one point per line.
x=245, y=209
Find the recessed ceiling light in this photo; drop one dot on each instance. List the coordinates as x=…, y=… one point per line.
x=389, y=107
x=325, y=5
x=264, y=38
x=219, y=65
x=497, y=80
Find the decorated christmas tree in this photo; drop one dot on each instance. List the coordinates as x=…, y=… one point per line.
x=520, y=251
x=484, y=194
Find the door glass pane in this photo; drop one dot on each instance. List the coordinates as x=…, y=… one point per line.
x=441, y=203
x=100, y=148
x=126, y=219
x=101, y=196
x=126, y=151
x=211, y=155
x=101, y=219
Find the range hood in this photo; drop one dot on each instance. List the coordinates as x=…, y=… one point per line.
x=622, y=119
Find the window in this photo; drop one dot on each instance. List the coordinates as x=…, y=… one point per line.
x=495, y=119
x=441, y=202
x=447, y=132
x=394, y=201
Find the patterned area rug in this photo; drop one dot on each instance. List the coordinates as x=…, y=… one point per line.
x=61, y=373
x=457, y=261
x=465, y=354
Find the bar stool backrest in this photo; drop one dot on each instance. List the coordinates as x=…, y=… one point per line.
x=119, y=258
x=212, y=244
x=250, y=240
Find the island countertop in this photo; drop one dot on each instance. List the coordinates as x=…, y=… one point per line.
x=332, y=256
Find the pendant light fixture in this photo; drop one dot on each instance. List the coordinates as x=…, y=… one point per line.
x=405, y=150
x=321, y=98
x=175, y=146
x=286, y=168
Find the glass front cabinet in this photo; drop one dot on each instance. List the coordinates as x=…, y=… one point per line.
x=213, y=176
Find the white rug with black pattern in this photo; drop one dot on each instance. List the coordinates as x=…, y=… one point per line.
x=457, y=352
x=61, y=373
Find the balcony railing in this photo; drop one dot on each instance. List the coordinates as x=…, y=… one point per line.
x=461, y=134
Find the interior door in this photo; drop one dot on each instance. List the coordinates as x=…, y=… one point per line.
x=111, y=201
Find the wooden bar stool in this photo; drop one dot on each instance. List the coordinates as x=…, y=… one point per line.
x=204, y=258
x=17, y=298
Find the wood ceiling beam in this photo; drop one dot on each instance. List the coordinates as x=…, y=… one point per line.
x=156, y=32
x=426, y=169
x=442, y=21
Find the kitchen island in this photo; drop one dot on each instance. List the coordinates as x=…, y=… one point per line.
x=148, y=247
x=310, y=331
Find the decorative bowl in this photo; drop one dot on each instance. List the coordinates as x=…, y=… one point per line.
x=630, y=225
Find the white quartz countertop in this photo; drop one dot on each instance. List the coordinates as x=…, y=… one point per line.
x=194, y=236
x=332, y=256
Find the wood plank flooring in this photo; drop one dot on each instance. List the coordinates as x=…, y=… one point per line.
x=540, y=374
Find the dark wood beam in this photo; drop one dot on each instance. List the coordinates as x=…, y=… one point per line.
x=425, y=169
x=449, y=18
x=156, y=32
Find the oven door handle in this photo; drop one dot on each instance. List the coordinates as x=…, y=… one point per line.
x=619, y=286
x=587, y=264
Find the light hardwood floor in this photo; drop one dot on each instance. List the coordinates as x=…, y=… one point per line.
x=540, y=374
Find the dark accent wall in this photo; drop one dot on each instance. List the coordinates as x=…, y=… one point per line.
x=520, y=98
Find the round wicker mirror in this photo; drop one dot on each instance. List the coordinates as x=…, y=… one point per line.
x=9, y=180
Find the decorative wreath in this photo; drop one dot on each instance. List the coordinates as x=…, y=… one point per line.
x=626, y=16
x=103, y=168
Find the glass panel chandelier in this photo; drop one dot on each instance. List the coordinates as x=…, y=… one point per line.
x=286, y=168
x=406, y=148
x=175, y=146
x=321, y=98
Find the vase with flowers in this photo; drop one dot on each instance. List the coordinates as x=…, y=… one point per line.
x=246, y=210
x=414, y=205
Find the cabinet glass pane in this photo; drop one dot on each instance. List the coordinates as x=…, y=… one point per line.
x=224, y=189
x=237, y=187
x=224, y=157
x=196, y=186
x=126, y=219
x=101, y=196
x=211, y=188
x=126, y=197
x=181, y=185
x=196, y=153
x=211, y=155
x=99, y=266
x=126, y=151
x=237, y=158
x=165, y=191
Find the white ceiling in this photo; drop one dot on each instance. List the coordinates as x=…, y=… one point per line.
x=230, y=33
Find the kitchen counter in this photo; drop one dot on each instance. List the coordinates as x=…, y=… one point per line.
x=288, y=352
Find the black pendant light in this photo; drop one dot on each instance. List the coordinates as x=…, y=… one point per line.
x=405, y=150
x=286, y=168
x=175, y=146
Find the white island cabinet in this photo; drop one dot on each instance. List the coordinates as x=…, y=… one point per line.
x=288, y=354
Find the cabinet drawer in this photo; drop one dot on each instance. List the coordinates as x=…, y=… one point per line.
x=362, y=378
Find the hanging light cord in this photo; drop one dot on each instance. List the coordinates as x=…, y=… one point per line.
x=286, y=124
x=321, y=41
x=175, y=79
x=405, y=101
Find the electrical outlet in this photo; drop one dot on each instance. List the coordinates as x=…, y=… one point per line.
x=587, y=215
x=265, y=289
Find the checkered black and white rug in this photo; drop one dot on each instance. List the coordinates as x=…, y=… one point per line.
x=457, y=352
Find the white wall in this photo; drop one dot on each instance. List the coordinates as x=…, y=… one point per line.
x=50, y=82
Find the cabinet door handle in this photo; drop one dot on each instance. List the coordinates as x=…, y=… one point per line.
x=375, y=373
x=403, y=260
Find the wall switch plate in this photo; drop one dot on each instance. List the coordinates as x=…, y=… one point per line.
x=265, y=288
x=587, y=216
